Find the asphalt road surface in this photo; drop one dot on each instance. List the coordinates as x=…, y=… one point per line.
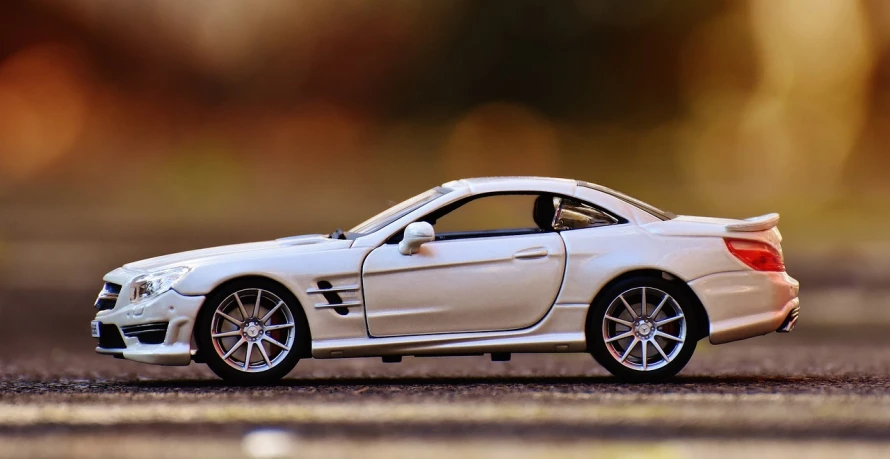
x=821, y=391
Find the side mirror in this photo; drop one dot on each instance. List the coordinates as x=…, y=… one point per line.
x=416, y=234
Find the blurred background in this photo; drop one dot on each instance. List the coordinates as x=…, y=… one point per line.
x=132, y=129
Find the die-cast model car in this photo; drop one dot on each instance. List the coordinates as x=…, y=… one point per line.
x=534, y=265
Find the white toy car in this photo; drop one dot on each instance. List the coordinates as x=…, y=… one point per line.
x=477, y=266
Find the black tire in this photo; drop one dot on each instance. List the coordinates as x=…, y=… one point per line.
x=269, y=293
x=657, y=368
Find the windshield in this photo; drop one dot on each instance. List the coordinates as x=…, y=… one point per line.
x=664, y=215
x=398, y=211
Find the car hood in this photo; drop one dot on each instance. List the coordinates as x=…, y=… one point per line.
x=191, y=258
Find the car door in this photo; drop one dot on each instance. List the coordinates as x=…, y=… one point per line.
x=488, y=278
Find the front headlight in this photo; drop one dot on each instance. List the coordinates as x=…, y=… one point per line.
x=153, y=284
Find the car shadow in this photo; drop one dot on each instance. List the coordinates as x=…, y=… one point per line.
x=692, y=383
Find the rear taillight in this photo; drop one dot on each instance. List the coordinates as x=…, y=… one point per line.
x=758, y=255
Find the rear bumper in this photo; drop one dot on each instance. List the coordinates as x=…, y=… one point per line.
x=745, y=304
x=178, y=311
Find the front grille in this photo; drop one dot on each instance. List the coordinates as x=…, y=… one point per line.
x=112, y=288
x=104, y=304
x=108, y=296
x=153, y=333
x=110, y=337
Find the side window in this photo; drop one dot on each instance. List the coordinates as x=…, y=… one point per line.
x=497, y=213
x=574, y=214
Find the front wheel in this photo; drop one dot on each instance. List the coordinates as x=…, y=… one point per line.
x=642, y=329
x=251, y=332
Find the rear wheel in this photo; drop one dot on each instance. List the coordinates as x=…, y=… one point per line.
x=251, y=332
x=643, y=329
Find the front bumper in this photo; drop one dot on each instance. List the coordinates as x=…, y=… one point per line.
x=744, y=304
x=178, y=311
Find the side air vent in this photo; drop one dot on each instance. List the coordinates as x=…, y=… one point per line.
x=333, y=296
x=153, y=333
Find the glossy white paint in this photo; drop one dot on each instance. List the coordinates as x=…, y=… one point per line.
x=171, y=307
x=416, y=234
x=743, y=304
x=465, y=285
x=521, y=293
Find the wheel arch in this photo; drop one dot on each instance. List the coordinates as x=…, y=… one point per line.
x=702, y=328
x=306, y=345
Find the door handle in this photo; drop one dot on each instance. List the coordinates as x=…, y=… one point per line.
x=537, y=252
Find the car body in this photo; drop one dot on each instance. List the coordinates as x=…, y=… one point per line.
x=396, y=286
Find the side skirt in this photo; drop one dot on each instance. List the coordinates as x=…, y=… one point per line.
x=561, y=330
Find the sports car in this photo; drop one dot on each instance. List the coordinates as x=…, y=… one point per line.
x=483, y=266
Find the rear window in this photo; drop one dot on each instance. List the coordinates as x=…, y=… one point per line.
x=649, y=208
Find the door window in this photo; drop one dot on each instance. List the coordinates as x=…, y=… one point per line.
x=497, y=213
x=513, y=214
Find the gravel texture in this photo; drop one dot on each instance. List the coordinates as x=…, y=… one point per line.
x=823, y=384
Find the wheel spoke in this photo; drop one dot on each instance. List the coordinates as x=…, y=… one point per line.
x=241, y=307
x=671, y=337
x=621, y=336
x=660, y=305
x=278, y=327
x=669, y=320
x=629, y=348
x=256, y=307
x=272, y=311
x=247, y=356
x=620, y=321
x=230, y=318
x=228, y=333
x=264, y=354
x=234, y=348
x=275, y=342
x=643, y=309
x=645, y=356
x=660, y=351
x=629, y=309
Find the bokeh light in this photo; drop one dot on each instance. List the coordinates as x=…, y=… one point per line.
x=43, y=106
x=158, y=124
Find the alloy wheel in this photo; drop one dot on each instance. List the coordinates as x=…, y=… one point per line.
x=253, y=330
x=644, y=328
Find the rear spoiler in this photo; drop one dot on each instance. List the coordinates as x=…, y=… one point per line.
x=761, y=223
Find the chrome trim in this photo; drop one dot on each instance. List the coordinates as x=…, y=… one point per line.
x=531, y=253
x=790, y=321
x=136, y=330
x=106, y=294
x=345, y=288
x=345, y=304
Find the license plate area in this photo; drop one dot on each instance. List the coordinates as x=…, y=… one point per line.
x=94, y=328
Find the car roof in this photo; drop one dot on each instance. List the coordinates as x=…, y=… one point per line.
x=470, y=182
x=558, y=185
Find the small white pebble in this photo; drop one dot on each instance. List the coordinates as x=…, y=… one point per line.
x=268, y=444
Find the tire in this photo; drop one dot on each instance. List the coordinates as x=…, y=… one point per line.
x=232, y=325
x=638, y=347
